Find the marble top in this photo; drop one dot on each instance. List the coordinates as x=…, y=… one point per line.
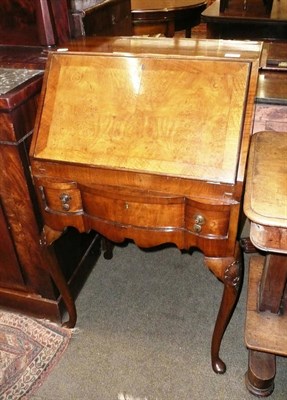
x=10, y=78
x=84, y=4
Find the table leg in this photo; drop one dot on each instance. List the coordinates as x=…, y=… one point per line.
x=259, y=378
x=188, y=32
x=64, y=290
x=247, y=246
x=230, y=271
x=107, y=248
x=273, y=283
x=48, y=236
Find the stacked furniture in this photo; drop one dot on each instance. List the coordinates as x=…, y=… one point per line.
x=246, y=19
x=265, y=204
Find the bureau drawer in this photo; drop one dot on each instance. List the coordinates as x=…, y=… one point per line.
x=133, y=207
x=207, y=219
x=60, y=197
x=128, y=206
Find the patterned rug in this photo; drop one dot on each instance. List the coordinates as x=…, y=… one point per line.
x=29, y=349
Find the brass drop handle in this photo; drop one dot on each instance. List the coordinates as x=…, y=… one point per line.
x=65, y=200
x=199, y=221
x=196, y=228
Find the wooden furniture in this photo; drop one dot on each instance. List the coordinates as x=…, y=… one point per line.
x=253, y=23
x=261, y=8
x=105, y=18
x=165, y=16
x=265, y=204
x=52, y=22
x=141, y=160
x=271, y=100
x=34, y=23
x=29, y=29
x=26, y=265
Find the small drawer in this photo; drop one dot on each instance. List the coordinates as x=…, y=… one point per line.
x=206, y=219
x=60, y=197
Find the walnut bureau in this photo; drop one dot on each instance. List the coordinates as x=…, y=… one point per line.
x=147, y=139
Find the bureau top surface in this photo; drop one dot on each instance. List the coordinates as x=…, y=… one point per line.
x=171, y=116
x=200, y=48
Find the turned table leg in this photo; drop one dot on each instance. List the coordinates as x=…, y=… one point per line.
x=259, y=378
x=230, y=271
x=268, y=291
x=273, y=283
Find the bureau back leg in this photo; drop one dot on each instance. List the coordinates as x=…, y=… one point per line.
x=107, y=248
x=47, y=237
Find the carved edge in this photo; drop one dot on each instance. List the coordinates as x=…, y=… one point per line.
x=233, y=275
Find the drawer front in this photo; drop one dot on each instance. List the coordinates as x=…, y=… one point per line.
x=130, y=207
x=207, y=220
x=60, y=197
x=134, y=207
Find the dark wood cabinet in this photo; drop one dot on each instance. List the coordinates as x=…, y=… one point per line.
x=29, y=29
x=34, y=22
x=10, y=277
x=26, y=282
x=108, y=18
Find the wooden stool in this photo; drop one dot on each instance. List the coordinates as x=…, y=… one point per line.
x=265, y=204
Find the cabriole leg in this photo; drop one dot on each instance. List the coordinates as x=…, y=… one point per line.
x=230, y=271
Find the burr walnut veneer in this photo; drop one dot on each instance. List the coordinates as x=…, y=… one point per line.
x=147, y=139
